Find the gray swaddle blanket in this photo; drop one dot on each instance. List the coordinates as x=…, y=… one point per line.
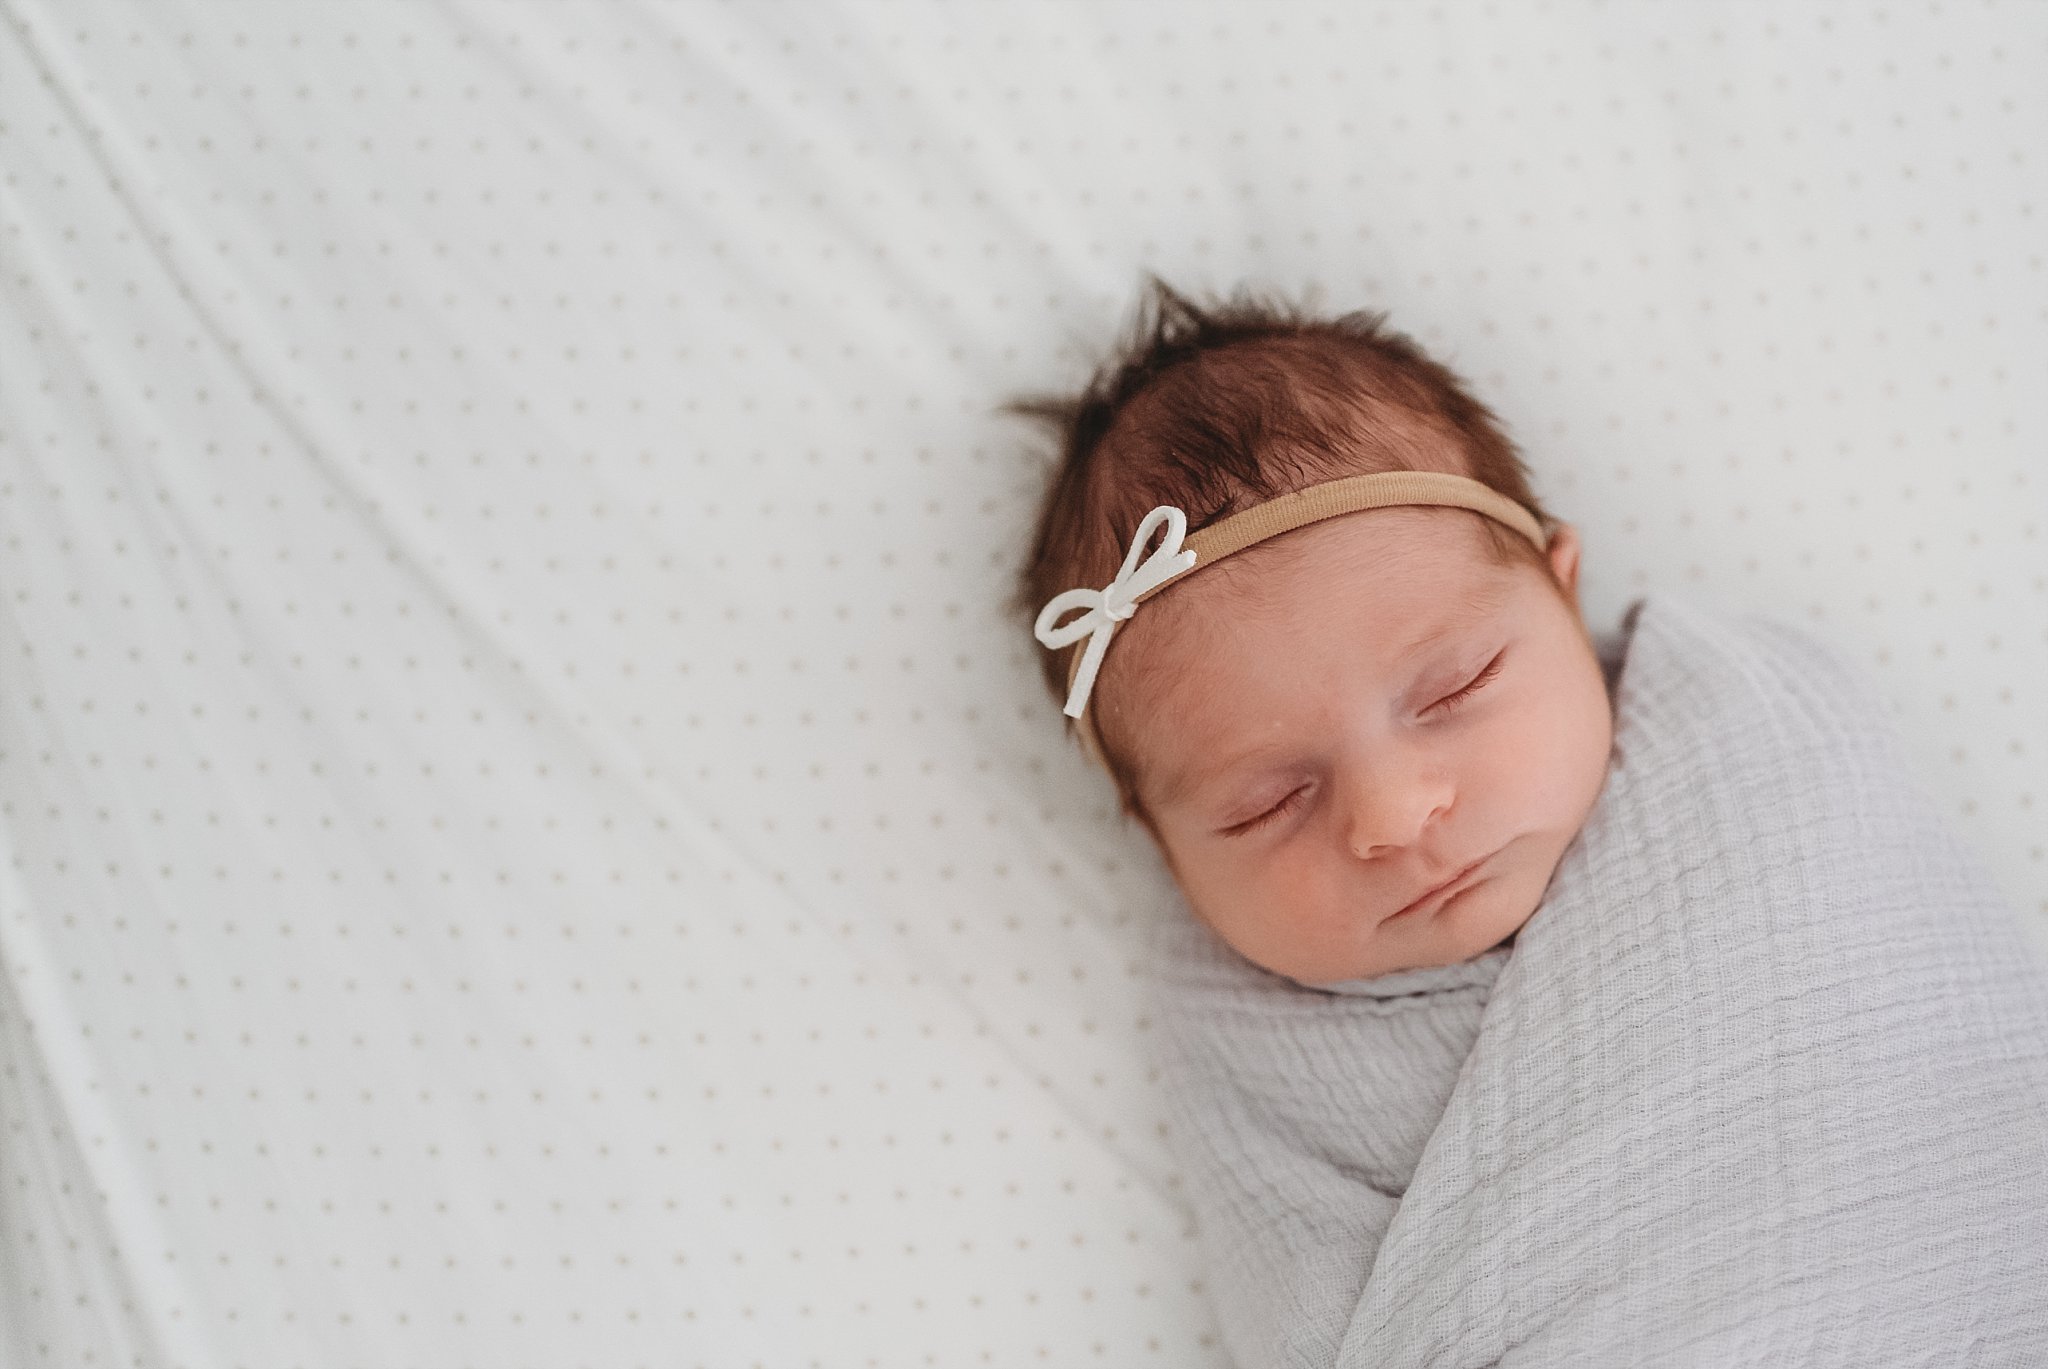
x=1764, y=1080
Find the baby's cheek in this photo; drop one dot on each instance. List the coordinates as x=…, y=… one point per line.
x=1309, y=900
x=1550, y=740
x=1591, y=741
x=1258, y=908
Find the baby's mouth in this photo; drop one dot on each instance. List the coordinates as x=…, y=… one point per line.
x=1443, y=890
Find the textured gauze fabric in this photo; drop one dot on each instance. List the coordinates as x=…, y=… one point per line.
x=1764, y=1079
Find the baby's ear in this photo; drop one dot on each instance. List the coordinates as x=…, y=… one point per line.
x=1563, y=554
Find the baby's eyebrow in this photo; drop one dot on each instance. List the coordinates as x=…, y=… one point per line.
x=1180, y=784
x=1465, y=615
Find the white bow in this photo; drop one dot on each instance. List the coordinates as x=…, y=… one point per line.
x=1116, y=601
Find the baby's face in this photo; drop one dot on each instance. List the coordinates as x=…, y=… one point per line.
x=1312, y=768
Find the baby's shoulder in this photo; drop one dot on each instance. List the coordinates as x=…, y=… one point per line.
x=1743, y=650
x=1734, y=675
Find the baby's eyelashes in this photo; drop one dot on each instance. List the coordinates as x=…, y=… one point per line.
x=1479, y=682
x=1272, y=813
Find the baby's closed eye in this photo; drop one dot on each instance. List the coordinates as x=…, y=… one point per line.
x=1286, y=805
x=1451, y=702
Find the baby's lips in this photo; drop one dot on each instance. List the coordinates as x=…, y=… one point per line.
x=1439, y=891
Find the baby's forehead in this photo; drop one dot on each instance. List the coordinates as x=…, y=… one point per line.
x=1182, y=648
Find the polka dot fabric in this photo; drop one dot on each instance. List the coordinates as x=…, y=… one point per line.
x=530, y=838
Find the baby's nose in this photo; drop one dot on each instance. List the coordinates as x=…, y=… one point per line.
x=1390, y=811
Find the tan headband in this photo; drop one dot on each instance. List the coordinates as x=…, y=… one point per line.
x=1180, y=552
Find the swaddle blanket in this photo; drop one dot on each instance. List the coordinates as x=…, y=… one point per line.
x=1764, y=1080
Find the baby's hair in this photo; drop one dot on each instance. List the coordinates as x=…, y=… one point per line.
x=1215, y=407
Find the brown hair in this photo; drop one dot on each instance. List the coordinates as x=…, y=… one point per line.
x=1215, y=408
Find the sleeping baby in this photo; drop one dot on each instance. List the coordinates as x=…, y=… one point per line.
x=1361, y=746
x=1540, y=1001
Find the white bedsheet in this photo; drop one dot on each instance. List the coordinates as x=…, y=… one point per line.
x=527, y=840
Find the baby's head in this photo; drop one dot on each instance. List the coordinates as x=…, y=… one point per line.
x=1319, y=729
